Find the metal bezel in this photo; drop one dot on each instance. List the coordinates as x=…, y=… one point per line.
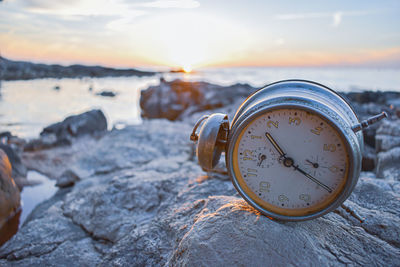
x=348, y=136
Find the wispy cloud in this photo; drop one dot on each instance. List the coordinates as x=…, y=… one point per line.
x=172, y=4
x=336, y=17
x=101, y=7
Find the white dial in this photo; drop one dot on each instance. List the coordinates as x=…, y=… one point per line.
x=291, y=161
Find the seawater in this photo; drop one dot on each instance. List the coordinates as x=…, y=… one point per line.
x=28, y=106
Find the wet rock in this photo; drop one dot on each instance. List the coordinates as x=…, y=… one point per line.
x=9, y=192
x=107, y=94
x=67, y=179
x=62, y=133
x=178, y=99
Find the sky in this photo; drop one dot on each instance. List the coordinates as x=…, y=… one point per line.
x=199, y=33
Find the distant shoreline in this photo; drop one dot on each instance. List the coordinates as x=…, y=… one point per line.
x=22, y=70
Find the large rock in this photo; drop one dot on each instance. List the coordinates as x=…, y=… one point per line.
x=178, y=99
x=142, y=201
x=62, y=133
x=9, y=192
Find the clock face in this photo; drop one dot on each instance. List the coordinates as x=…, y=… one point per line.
x=291, y=161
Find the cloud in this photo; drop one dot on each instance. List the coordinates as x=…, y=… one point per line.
x=171, y=4
x=120, y=13
x=337, y=19
x=335, y=16
x=279, y=41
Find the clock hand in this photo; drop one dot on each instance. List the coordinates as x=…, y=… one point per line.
x=262, y=158
x=296, y=167
x=275, y=144
x=315, y=165
x=289, y=162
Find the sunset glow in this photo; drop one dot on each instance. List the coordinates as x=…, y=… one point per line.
x=187, y=69
x=192, y=34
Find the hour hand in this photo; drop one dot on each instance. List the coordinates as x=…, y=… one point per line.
x=275, y=144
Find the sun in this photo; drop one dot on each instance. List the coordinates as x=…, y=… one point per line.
x=187, y=68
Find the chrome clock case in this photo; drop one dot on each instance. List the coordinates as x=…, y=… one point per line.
x=216, y=136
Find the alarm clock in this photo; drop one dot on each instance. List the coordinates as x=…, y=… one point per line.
x=293, y=149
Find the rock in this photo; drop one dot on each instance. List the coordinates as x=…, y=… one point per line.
x=107, y=94
x=368, y=159
x=227, y=232
x=9, y=192
x=19, y=170
x=388, y=150
x=67, y=179
x=388, y=164
x=377, y=97
x=141, y=201
x=10, y=227
x=173, y=100
x=62, y=133
x=56, y=88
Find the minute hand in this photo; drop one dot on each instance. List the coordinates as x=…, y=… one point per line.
x=296, y=167
x=275, y=144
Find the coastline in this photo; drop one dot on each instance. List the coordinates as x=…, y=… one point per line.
x=21, y=70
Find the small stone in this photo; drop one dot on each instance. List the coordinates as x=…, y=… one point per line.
x=67, y=179
x=107, y=94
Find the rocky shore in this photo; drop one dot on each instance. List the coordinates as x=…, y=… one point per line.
x=137, y=196
x=21, y=70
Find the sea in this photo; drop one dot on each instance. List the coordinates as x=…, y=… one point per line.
x=26, y=107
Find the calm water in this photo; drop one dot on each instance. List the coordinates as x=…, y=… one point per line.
x=33, y=195
x=28, y=106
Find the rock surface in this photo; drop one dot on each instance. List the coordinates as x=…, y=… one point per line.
x=141, y=199
x=388, y=149
x=21, y=70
